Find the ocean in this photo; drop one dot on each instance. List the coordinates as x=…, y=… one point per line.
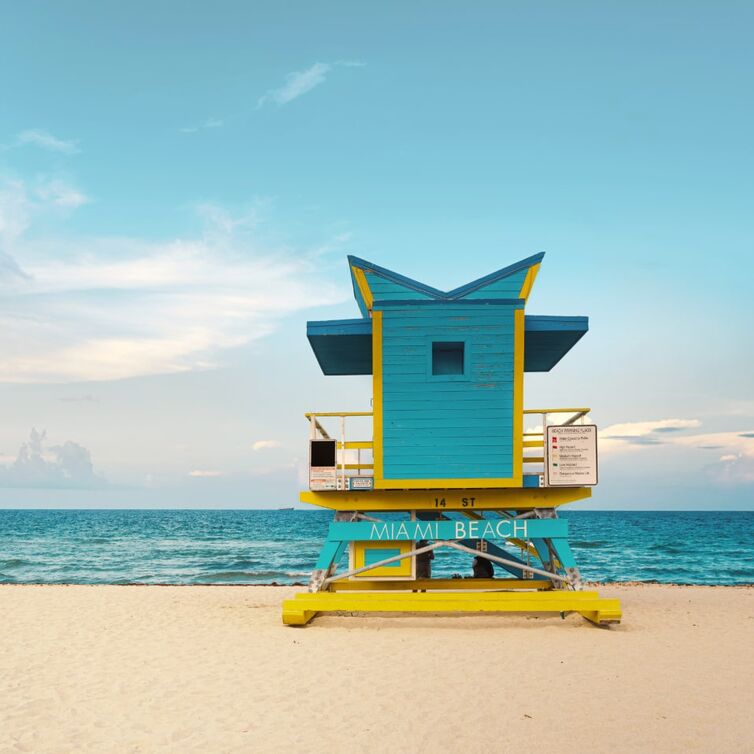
x=281, y=546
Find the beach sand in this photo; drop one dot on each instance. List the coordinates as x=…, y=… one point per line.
x=212, y=669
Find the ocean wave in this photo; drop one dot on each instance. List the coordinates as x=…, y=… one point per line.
x=584, y=545
x=236, y=576
x=14, y=563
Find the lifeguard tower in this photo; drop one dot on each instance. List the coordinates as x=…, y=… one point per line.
x=454, y=461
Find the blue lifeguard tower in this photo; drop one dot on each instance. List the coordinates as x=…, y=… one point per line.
x=450, y=463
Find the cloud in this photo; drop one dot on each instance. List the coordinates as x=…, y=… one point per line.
x=21, y=204
x=60, y=466
x=298, y=83
x=15, y=211
x=207, y=124
x=642, y=429
x=637, y=434
x=94, y=309
x=734, y=451
x=737, y=467
x=218, y=220
x=45, y=140
x=264, y=444
x=740, y=443
x=205, y=473
x=9, y=268
x=59, y=194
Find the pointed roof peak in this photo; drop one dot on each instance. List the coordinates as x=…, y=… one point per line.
x=395, y=285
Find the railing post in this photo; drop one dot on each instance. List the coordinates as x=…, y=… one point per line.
x=343, y=452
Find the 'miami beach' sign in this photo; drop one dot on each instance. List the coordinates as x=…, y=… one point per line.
x=392, y=531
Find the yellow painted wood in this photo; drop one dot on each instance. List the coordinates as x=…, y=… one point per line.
x=357, y=466
x=361, y=282
x=529, y=282
x=534, y=459
x=472, y=514
x=530, y=549
x=402, y=570
x=302, y=608
x=521, y=498
x=355, y=445
x=377, y=395
x=453, y=584
x=524, y=546
x=518, y=394
x=533, y=443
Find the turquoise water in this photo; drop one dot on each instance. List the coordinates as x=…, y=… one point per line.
x=263, y=547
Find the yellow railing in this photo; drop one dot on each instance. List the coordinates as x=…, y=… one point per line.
x=535, y=439
x=576, y=414
x=319, y=432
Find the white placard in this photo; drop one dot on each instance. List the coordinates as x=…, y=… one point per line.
x=571, y=456
x=323, y=478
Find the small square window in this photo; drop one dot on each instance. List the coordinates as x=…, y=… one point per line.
x=447, y=358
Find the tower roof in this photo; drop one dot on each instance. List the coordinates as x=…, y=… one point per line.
x=374, y=284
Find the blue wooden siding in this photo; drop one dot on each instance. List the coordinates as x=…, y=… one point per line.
x=374, y=555
x=440, y=429
x=384, y=289
x=507, y=287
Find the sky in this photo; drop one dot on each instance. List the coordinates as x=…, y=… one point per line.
x=180, y=184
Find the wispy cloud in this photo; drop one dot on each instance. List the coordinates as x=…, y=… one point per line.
x=59, y=466
x=205, y=473
x=60, y=194
x=44, y=140
x=728, y=457
x=106, y=309
x=653, y=432
x=265, y=444
x=207, y=124
x=298, y=83
x=21, y=204
x=734, y=464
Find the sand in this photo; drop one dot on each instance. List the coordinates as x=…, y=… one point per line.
x=211, y=669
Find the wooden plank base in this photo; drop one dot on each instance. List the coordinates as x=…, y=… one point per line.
x=304, y=606
x=453, y=585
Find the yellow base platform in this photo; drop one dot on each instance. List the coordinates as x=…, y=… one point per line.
x=303, y=607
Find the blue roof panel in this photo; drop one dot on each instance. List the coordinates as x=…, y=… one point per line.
x=344, y=346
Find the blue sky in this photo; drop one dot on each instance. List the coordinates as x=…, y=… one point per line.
x=180, y=185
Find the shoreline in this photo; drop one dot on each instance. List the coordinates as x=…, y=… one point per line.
x=93, y=668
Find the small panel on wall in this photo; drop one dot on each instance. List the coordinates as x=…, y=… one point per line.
x=360, y=482
x=367, y=553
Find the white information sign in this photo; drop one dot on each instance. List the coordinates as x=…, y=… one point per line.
x=571, y=456
x=323, y=478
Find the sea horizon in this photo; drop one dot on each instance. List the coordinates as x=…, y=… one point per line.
x=278, y=546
